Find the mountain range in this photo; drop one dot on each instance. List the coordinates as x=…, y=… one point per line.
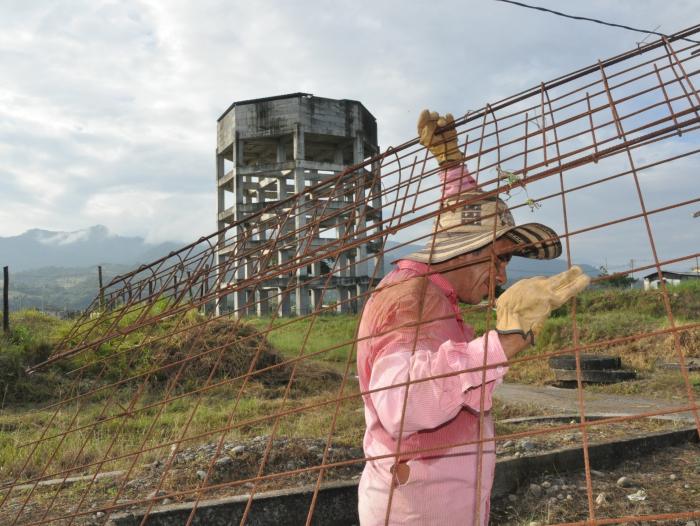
x=37, y=248
x=57, y=271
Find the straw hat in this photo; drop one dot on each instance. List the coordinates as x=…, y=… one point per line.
x=470, y=227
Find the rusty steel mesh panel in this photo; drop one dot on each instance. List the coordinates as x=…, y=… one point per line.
x=176, y=373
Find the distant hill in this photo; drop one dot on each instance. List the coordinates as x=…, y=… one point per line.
x=57, y=271
x=59, y=289
x=93, y=246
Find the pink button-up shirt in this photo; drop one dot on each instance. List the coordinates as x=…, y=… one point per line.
x=400, y=341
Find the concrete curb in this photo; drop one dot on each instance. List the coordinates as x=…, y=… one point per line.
x=70, y=480
x=512, y=472
x=337, y=502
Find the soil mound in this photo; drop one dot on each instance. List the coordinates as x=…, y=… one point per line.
x=229, y=349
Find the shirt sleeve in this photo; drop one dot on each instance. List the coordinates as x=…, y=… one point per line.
x=438, y=398
x=456, y=180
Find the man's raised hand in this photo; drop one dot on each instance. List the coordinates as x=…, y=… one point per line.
x=443, y=145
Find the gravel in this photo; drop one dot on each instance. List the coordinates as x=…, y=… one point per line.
x=666, y=481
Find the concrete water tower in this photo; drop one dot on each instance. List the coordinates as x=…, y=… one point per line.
x=274, y=147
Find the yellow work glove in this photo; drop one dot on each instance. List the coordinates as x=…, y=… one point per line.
x=524, y=307
x=443, y=145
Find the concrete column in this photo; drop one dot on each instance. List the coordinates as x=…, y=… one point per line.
x=281, y=180
x=237, y=150
x=362, y=267
x=358, y=150
x=302, y=291
x=220, y=192
x=249, y=308
x=317, y=283
x=316, y=299
x=303, y=300
x=353, y=300
x=343, y=297
x=298, y=140
x=251, y=268
x=351, y=265
x=238, y=195
x=284, y=305
x=239, y=299
x=343, y=256
x=240, y=296
x=263, y=302
x=220, y=304
x=284, y=308
x=221, y=202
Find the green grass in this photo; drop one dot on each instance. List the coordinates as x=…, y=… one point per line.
x=601, y=314
x=30, y=341
x=606, y=314
x=22, y=420
x=130, y=434
x=313, y=335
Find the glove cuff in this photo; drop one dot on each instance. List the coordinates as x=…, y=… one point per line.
x=528, y=336
x=451, y=156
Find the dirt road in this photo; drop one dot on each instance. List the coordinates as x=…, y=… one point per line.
x=555, y=400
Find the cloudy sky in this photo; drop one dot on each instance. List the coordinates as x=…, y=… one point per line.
x=108, y=108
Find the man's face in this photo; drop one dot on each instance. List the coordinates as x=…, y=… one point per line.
x=471, y=280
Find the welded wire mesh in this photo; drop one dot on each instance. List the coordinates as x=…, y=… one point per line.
x=175, y=395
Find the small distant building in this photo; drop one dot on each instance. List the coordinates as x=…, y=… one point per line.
x=651, y=281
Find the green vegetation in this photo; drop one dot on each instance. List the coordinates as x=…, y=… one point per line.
x=59, y=289
x=29, y=342
x=132, y=418
x=332, y=332
x=159, y=425
x=619, y=281
x=610, y=313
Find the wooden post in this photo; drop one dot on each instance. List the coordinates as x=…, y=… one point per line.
x=102, y=290
x=6, y=299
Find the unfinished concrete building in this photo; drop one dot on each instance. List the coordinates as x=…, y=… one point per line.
x=272, y=148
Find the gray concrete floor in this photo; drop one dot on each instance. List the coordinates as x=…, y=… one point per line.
x=555, y=400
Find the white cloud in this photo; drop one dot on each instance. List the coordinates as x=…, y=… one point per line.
x=64, y=238
x=168, y=214
x=108, y=110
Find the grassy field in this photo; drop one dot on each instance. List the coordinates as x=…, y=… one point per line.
x=601, y=315
x=332, y=334
x=188, y=415
x=607, y=314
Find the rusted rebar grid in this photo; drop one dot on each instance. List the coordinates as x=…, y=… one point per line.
x=149, y=368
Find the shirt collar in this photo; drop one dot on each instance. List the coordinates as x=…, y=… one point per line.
x=437, y=278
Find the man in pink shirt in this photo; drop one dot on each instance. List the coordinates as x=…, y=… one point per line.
x=427, y=380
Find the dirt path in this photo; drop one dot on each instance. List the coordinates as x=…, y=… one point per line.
x=556, y=400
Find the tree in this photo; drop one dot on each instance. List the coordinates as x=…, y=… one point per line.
x=621, y=281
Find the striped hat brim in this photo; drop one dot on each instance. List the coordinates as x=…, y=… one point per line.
x=533, y=240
